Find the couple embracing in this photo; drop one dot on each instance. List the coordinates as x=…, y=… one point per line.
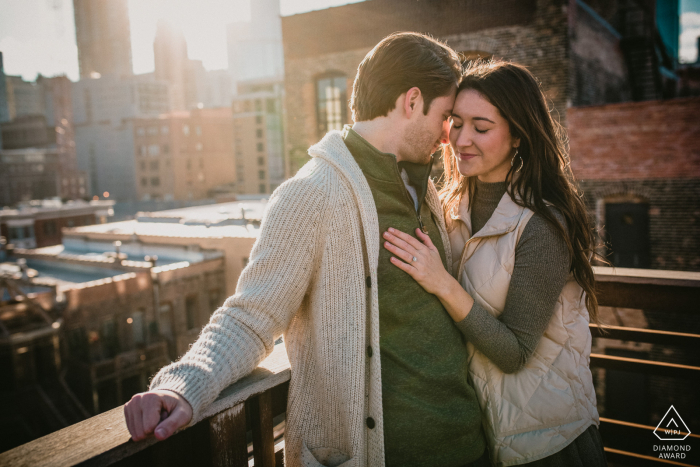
x=422, y=328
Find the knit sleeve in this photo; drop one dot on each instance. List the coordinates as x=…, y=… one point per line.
x=541, y=269
x=241, y=333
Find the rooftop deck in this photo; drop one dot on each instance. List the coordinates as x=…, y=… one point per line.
x=245, y=425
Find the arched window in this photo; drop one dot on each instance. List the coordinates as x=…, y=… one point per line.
x=331, y=102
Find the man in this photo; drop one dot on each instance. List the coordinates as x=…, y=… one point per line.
x=379, y=371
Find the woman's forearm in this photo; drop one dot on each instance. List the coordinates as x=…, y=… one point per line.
x=455, y=299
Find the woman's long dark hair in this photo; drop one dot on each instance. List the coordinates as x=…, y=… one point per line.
x=546, y=173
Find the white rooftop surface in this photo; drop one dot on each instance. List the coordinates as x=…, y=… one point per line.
x=162, y=229
x=214, y=212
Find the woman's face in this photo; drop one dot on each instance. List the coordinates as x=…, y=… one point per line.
x=480, y=138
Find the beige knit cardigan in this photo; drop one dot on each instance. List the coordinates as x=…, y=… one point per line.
x=307, y=279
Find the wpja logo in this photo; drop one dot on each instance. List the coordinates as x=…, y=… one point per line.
x=672, y=428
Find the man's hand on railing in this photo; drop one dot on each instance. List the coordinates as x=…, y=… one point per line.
x=158, y=412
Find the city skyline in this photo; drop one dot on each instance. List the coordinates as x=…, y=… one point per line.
x=38, y=36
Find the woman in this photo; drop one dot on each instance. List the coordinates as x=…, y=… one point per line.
x=524, y=291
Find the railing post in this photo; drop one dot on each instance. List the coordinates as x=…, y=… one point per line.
x=227, y=434
x=261, y=423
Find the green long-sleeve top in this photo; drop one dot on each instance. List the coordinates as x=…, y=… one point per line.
x=431, y=415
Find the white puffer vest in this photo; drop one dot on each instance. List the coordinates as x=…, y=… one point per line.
x=539, y=410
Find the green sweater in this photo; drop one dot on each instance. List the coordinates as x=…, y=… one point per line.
x=431, y=415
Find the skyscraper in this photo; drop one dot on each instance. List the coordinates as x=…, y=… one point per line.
x=103, y=36
x=255, y=47
x=171, y=62
x=4, y=109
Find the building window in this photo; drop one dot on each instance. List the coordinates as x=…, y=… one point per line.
x=271, y=106
x=153, y=150
x=214, y=299
x=261, y=147
x=155, y=181
x=164, y=130
x=20, y=233
x=140, y=131
x=258, y=119
x=137, y=325
x=143, y=150
x=152, y=130
x=198, y=130
x=331, y=99
x=166, y=149
x=50, y=228
x=198, y=146
x=261, y=174
x=191, y=311
x=186, y=130
x=261, y=188
x=261, y=160
x=143, y=165
x=144, y=181
x=259, y=133
x=627, y=233
x=258, y=105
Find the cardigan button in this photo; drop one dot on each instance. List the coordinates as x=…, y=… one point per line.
x=369, y=351
x=370, y=422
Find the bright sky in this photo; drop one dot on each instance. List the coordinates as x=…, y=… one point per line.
x=38, y=36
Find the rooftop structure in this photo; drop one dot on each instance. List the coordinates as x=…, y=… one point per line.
x=37, y=173
x=231, y=228
x=39, y=223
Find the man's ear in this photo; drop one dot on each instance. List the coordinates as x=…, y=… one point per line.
x=413, y=102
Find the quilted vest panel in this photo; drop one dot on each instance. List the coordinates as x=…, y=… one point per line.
x=539, y=410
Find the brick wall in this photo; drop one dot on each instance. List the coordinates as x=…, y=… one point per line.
x=636, y=140
x=533, y=33
x=649, y=150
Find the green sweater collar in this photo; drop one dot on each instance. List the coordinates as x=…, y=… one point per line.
x=384, y=167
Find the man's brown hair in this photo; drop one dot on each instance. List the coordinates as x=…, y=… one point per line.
x=398, y=63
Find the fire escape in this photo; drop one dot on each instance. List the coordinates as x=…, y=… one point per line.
x=34, y=397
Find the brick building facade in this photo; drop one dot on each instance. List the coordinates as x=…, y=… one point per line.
x=183, y=155
x=645, y=154
x=571, y=49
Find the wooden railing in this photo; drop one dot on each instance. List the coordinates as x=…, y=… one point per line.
x=671, y=292
x=245, y=424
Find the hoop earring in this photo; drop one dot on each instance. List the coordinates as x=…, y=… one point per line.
x=512, y=161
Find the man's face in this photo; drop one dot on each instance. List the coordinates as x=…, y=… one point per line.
x=425, y=133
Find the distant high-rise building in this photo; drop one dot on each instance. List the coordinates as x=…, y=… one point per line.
x=4, y=110
x=255, y=48
x=103, y=36
x=184, y=155
x=171, y=62
x=259, y=136
x=103, y=112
